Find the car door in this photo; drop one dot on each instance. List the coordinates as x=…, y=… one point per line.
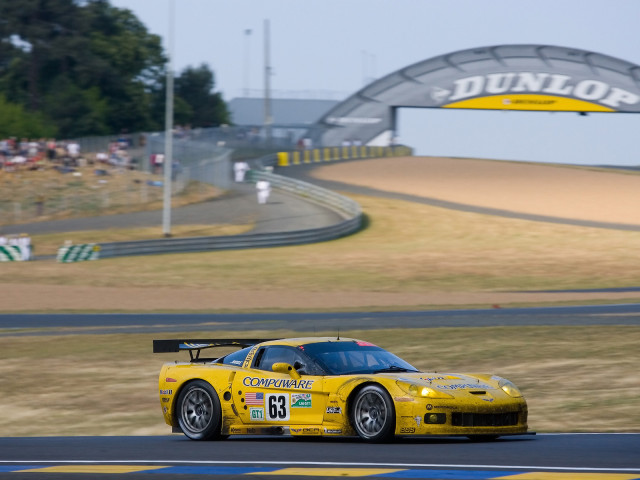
x=272, y=398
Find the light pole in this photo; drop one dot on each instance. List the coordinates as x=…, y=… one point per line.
x=168, y=130
x=368, y=67
x=268, y=120
x=247, y=60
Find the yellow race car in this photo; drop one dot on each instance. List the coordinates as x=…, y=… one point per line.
x=328, y=387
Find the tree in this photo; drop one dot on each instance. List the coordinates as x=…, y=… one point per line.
x=88, y=65
x=16, y=122
x=195, y=86
x=92, y=69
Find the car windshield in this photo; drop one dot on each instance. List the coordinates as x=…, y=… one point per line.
x=353, y=357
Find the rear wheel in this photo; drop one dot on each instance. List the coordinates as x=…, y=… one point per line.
x=198, y=411
x=372, y=414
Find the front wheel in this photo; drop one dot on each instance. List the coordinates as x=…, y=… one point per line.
x=373, y=415
x=198, y=411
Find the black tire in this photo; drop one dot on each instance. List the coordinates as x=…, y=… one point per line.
x=372, y=414
x=198, y=411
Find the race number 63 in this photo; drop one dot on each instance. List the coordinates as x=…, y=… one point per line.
x=277, y=406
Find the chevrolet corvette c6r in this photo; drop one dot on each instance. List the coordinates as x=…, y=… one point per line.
x=328, y=387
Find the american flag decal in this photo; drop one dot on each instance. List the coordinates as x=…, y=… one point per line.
x=253, y=398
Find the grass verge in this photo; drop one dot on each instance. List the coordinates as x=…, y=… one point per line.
x=407, y=247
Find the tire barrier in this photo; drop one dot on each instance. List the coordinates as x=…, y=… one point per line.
x=330, y=154
x=10, y=253
x=78, y=253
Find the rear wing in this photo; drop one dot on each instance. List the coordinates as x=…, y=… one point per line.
x=196, y=345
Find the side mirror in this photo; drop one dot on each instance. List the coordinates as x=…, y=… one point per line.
x=282, y=367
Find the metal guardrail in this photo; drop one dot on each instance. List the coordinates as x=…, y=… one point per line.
x=343, y=205
x=347, y=208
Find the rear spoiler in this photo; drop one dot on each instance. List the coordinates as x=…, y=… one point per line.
x=177, y=345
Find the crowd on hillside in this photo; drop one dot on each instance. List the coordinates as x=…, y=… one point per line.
x=29, y=154
x=32, y=154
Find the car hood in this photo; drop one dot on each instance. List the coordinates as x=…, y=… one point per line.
x=450, y=382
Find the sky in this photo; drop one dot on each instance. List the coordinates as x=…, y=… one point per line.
x=332, y=48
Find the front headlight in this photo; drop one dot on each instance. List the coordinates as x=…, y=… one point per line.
x=509, y=388
x=422, y=391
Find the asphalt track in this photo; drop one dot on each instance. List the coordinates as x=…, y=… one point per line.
x=239, y=206
x=37, y=324
x=542, y=457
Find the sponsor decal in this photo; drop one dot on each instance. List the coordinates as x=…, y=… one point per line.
x=364, y=344
x=166, y=392
x=300, y=400
x=442, y=407
x=236, y=362
x=439, y=95
x=277, y=383
x=311, y=431
x=460, y=386
x=333, y=431
x=543, y=83
x=337, y=410
x=296, y=430
x=166, y=400
x=431, y=379
x=254, y=398
x=249, y=357
x=235, y=430
x=256, y=414
x=165, y=410
x=195, y=345
x=418, y=420
x=407, y=430
x=488, y=399
x=277, y=406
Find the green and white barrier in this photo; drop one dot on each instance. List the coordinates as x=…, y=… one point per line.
x=78, y=253
x=10, y=253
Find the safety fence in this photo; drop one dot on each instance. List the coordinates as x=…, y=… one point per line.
x=83, y=197
x=330, y=154
x=92, y=190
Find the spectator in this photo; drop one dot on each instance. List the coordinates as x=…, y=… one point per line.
x=263, y=188
x=158, y=161
x=73, y=149
x=51, y=149
x=240, y=169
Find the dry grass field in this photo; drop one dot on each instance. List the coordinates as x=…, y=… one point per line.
x=445, y=258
